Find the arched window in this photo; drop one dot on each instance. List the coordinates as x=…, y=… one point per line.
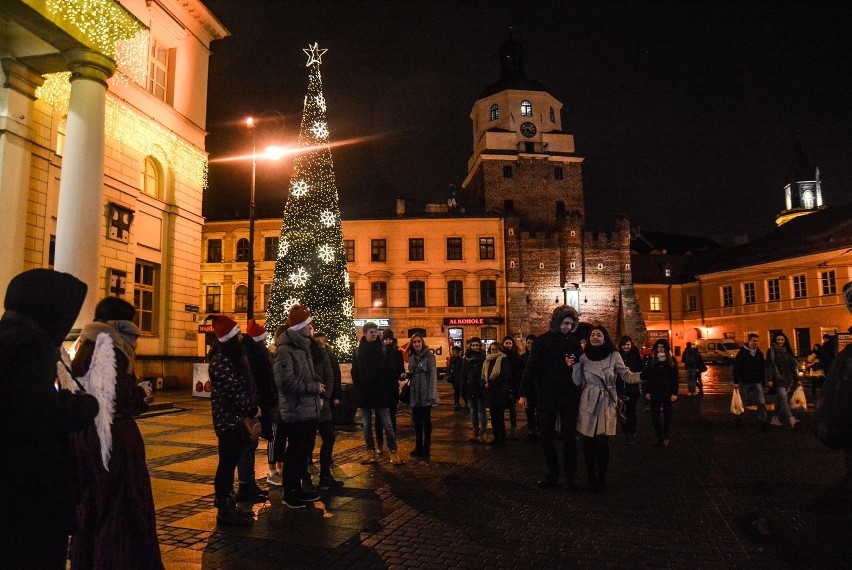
x=494, y=114
x=526, y=108
x=243, y=250
x=151, y=182
x=552, y=115
x=241, y=299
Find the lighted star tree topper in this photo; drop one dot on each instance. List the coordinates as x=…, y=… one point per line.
x=311, y=265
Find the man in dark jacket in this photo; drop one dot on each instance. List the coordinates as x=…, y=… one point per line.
x=260, y=364
x=526, y=392
x=472, y=388
x=550, y=369
x=370, y=380
x=36, y=418
x=749, y=376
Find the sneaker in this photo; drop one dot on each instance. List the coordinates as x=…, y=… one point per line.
x=371, y=457
x=293, y=503
x=274, y=478
x=394, y=458
x=329, y=482
x=308, y=497
x=775, y=422
x=250, y=492
x=793, y=422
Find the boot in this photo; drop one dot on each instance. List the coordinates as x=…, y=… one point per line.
x=328, y=482
x=394, y=458
x=371, y=457
x=251, y=493
x=229, y=515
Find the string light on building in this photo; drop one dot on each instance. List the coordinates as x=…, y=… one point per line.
x=312, y=267
x=102, y=23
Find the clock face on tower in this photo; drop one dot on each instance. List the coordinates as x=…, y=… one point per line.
x=528, y=129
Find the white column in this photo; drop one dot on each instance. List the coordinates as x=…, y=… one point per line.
x=81, y=219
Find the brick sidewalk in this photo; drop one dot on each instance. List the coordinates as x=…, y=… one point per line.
x=690, y=505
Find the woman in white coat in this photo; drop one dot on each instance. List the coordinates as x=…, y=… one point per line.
x=596, y=372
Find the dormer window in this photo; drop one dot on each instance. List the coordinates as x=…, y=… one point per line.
x=526, y=108
x=494, y=113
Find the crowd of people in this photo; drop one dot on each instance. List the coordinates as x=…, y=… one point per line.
x=85, y=453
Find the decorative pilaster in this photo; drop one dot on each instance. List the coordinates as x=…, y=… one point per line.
x=80, y=220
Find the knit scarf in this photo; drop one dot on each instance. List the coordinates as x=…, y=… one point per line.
x=123, y=334
x=495, y=371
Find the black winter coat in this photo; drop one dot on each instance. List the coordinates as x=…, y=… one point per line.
x=749, y=369
x=472, y=374
x=632, y=360
x=660, y=379
x=260, y=364
x=546, y=368
x=514, y=360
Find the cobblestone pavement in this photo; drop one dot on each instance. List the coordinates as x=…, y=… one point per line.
x=718, y=497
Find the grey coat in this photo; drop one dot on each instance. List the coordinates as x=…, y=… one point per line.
x=297, y=381
x=597, y=409
x=424, y=378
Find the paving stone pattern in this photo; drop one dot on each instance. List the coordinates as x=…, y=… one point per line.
x=695, y=504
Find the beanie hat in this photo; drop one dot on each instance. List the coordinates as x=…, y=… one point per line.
x=224, y=327
x=661, y=341
x=299, y=318
x=256, y=331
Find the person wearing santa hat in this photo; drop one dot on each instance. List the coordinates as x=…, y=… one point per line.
x=298, y=401
x=230, y=403
x=261, y=386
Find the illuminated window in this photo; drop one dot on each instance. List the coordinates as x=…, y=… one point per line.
x=243, y=250
x=829, y=282
x=488, y=293
x=454, y=249
x=654, y=304
x=488, y=335
x=151, y=179
x=270, y=248
x=773, y=289
x=213, y=299
x=486, y=248
x=691, y=303
x=415, y=249
x=455, y=294
x=727, y=295
x=526, y=108
x=494, y=113
x=241, y=299
x=349, y=248
x=379, y=250
x=145, y=295
x=214, y=251
x=158, y=71
x=379, y=293
x=417, y=294
x=749, y=295
x=800, y=287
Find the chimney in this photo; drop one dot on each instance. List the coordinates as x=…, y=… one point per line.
x=400, y=207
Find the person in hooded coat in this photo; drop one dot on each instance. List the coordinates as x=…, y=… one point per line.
x=36, y=418
x=549, y=370
x=116, y=524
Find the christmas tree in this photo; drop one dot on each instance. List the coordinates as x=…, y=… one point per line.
x=311, y=265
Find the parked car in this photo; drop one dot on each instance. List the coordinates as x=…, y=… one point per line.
x=722, y=350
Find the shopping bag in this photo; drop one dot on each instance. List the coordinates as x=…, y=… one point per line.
x=736, y=403
x=798, y=401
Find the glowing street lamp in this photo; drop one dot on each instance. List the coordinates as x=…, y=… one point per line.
x=271, y=153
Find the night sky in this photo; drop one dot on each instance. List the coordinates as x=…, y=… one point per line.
x=686, y=112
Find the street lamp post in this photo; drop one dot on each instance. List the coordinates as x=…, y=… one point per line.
x=250, y=303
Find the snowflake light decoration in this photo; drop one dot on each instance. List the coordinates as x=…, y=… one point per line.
x=327, y=218
x=298, y=188
x=326, y=253
x=344, y=344
x=299, y=278
x=283, y=248
x=320, y=130
x=320, y=101
x=290, y=302
x=347, y=307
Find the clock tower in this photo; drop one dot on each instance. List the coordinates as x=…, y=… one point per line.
x=522, y=161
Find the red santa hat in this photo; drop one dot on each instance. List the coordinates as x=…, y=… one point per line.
x=256, y=330
x=225, y=328
x=299, y=318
